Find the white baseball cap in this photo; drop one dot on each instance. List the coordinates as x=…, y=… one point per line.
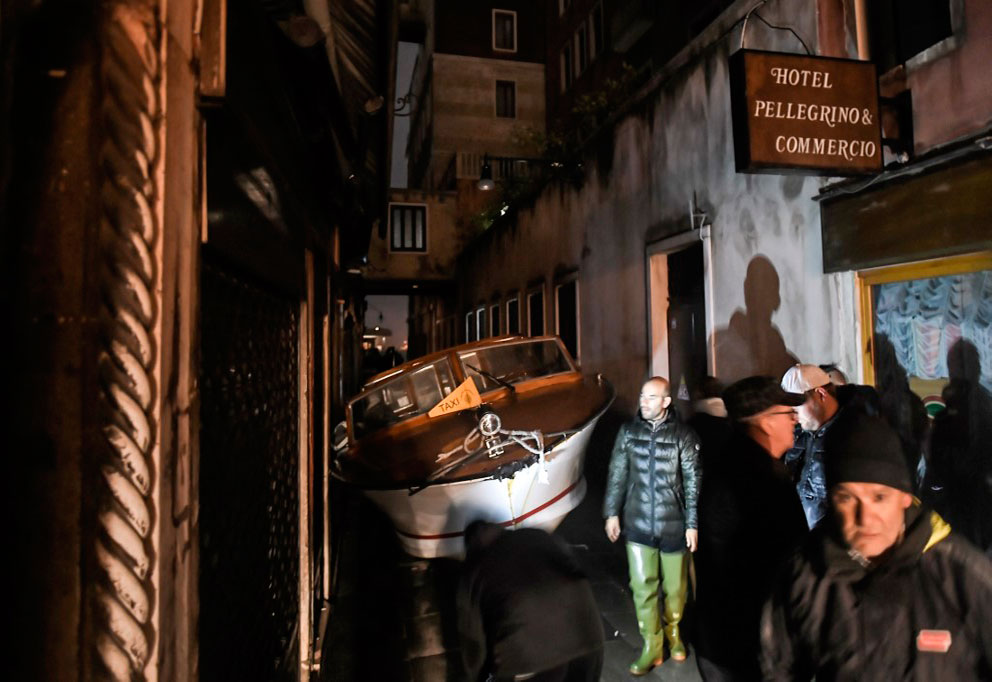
x=802, y=378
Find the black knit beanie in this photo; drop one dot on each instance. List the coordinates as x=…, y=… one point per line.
x=863, y=449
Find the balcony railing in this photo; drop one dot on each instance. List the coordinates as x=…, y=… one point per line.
x=503, y=167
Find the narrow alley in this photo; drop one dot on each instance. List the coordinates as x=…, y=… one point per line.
x=322, y=312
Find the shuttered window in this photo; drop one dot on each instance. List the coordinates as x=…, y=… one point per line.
x=408, y=227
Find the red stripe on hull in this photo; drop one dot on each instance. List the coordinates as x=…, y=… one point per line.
x=511, y=522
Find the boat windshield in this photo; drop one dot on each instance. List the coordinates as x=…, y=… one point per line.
x=406, y=395
x=514, y=362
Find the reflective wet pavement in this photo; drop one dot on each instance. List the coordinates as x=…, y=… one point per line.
x=394, y=619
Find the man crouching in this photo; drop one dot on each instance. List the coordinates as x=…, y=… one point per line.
x=882, y=589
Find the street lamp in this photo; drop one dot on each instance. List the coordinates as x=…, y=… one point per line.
x=486, y=176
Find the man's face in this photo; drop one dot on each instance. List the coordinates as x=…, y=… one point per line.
x=813, y=413
x=871, y=515
x=654, y=400
x=778, y=422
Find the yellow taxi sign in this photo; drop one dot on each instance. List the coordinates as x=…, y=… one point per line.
x=462, y=398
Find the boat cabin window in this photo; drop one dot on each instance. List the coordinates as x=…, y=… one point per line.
x=406, y=395
x=514, y=362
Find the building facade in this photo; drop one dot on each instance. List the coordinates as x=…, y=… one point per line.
x=479, y=87
x=683, y=266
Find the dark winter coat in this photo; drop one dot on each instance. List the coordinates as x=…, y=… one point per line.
x=713, y=434
x=807, y=453
x=832, y=618
x=524, y=606
x=750, y=521
x=654, y=478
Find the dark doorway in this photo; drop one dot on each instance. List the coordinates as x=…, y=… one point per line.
x=686, y=323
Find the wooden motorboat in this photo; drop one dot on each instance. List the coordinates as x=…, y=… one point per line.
x=494, y=430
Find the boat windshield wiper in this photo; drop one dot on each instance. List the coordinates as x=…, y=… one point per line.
x=486, y=374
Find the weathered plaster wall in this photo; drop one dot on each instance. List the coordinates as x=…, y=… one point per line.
x=770, y=300
x=952, y=94
x=444, y=241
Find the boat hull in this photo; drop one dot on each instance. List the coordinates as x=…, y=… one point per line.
x=431, y=522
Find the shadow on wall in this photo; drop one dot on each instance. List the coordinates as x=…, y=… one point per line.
x=900, y=406
x=750, y=344
x=959, y=477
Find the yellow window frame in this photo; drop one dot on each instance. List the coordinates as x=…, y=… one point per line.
x=937, y=267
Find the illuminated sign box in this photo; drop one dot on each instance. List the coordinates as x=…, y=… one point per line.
x=809, y=115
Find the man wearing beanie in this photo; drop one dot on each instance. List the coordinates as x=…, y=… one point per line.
x=750, y=520
x=882, y=589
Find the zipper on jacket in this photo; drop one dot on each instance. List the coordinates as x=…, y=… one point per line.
x=654, y=514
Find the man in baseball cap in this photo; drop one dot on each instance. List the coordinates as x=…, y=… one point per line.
x=882, y=585
x=824, y=405
x=749, y=504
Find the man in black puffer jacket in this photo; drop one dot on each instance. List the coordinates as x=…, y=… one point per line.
x=882, y=589
x=655, y=477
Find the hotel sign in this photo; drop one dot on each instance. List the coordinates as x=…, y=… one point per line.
x=799, y=114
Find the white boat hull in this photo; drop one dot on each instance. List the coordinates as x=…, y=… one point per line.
x=431, y=523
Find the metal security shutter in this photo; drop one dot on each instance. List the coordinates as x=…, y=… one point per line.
x=249, y=506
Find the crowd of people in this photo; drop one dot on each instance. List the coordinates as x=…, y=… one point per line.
x=807, y=509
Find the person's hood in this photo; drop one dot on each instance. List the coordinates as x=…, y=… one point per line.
x=711, y=406
x=925, y=529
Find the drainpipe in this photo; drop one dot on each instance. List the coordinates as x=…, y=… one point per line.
x=861, y=28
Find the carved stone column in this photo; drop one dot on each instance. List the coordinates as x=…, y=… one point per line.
x=122, y=583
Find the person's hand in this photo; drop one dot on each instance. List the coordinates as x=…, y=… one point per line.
x=691, y=539
x=613, y=528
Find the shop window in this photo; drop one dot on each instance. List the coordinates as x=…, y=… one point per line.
x=504, y=30
x=494, y=318
x=408, y=227
x=928, y=350
x=535, y=312
x=471, y=333
x=567, y=315
x=901, y=29
x=506, y=99
x=480, y=323
x=513, y=316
